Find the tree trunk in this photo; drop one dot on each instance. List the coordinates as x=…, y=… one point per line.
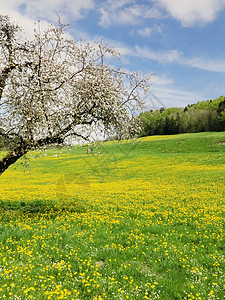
x=12, y=157
x=23, y=147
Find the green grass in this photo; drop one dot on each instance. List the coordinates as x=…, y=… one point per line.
x=140, y=220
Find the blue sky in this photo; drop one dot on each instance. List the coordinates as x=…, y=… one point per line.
x=182, y=42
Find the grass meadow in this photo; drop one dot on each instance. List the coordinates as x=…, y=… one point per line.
x=142, y=219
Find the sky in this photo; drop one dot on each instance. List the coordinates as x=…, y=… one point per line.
x=180, y=42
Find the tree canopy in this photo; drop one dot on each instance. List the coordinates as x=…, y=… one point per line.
x=203, y=116
x=54, y=89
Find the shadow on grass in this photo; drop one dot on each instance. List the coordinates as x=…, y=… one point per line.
x=41, y=207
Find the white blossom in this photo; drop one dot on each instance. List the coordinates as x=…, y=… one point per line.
x=53, y=89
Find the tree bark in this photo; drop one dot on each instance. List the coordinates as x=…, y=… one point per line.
x=12, y=157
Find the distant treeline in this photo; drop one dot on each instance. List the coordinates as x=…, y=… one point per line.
x=203, y=116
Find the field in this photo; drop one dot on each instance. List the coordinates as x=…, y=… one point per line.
x=143, y=219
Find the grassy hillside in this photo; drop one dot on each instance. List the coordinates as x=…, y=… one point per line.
x=135, y=220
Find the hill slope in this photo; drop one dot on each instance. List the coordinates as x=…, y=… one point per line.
x=134, y=220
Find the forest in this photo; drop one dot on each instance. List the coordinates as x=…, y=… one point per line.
x=203, y=116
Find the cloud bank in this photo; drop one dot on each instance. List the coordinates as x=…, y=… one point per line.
x=188, y=12
x=126, y=12
x=177, y=57
x=48, y=9
x=191, y=12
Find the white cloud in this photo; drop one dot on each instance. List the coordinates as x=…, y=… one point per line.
x=203, y=64
x=10, y=5
x=116, y=4
x=191, y=12
x=27, y=12
x=145, y=31
x=164, y=57
x=47, y=9
x=188, y=12
x=126, y=12
x=174, y=56
x=161, y=80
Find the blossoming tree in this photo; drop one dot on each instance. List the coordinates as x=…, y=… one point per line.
x=54, y=89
